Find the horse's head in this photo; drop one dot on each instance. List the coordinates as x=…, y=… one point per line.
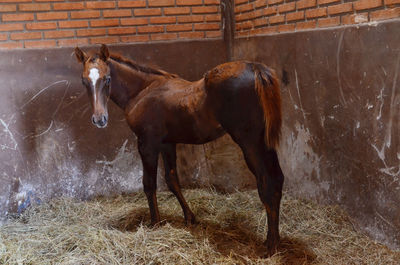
x=97, y=80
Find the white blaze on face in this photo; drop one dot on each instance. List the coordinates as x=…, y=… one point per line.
x=94, y=75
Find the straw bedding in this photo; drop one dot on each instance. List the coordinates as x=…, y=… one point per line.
x=231, y=230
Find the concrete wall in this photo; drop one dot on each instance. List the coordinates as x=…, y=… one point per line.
x=341, y=105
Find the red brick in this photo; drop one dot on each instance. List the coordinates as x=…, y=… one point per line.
x=211, y=2
x=3, y=37
x=366, y=4
x=162, y=20
x=68, y=6
x=355, y=18
x=191, y=19
x=147, y=12
x=133, y=21
x=204, y=9
x=270, y=11
x=18, y=17
x=40, y=44
x=176, y=28
x=328, y=22
x=8, y=8
x=191, y=35
x=264, y=31
x=104, y=40
x=41, y=25
x=314, y=13
x=26, y=36
x=244, y=16
x=176, y=10
x=206, y=26
x=306, y=25
x=85, y=14
x=260, y=3
x=153, y=3
x=260, y=22
x=239, y=2
x=104, y=23
x=11, y=27
x=14, y=1
x=213, y=34
x=392, y=2
x=11, y=45
x=244, y=8
x=52, y=15
x=244, y=25
x=99, y=5
x=276, y=19
x=295, y=16
x=286, y=27
x=117, y=13
x=135, y=38
x=273, y=2
x=338, y=9
x=287, y=7
x=189, y=2
x=306, y=4
x=34, y=7
x=213, y=18
x=139, y=3
x=90, y=32
x=73, y=24
x=385, y=14
x=323, y=2
x=47, y=1
x=150, y=29
x=164, y=36
x=57, y=34
x=122, y=31
x=73, y=42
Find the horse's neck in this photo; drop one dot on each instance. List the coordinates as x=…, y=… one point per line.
x=126, y=83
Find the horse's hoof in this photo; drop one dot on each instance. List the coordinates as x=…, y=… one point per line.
x=271, y=248
x=191, y=221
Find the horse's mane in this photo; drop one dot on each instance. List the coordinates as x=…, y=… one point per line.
x=141, y=68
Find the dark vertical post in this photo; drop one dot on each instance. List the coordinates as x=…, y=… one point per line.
x=228, y=25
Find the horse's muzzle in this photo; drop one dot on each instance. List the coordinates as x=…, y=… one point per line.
x=100, y=121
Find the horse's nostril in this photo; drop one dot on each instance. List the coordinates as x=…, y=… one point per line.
x=93, y=120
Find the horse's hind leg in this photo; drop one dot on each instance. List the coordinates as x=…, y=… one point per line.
x=149, y=151
x=264, y=164
x=168, y=152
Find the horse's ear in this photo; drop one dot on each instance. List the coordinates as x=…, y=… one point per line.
x=80, y=55
x=104, y=54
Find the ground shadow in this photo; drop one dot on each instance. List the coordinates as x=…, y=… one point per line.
x=234, y=239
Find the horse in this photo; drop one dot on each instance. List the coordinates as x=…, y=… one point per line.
x=239, y=98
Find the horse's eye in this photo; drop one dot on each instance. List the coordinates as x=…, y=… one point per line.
x=85, y=82
x=108, y=80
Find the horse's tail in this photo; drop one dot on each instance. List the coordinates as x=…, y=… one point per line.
x=267, y=87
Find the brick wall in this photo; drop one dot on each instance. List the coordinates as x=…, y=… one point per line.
x=58, y=23
x=255, y=17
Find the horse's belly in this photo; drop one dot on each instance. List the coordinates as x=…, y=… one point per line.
x=191, y=134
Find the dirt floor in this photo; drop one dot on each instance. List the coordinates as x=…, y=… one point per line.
x=231, y=230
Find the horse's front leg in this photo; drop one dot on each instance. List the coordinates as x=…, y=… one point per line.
x=149, y=151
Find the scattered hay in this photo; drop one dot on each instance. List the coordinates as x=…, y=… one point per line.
x=231, y=230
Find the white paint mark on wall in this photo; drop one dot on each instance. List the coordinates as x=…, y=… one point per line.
x=298, y=93
x=42, y=90
x=338, y=67
x=10, y=134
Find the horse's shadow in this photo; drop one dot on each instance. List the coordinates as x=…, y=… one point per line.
x=233, y=239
